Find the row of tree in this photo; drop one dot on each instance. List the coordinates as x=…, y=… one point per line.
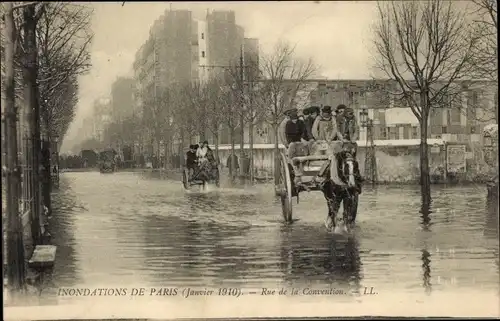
x=236, y=97
x=45, y=47
x=425, y=50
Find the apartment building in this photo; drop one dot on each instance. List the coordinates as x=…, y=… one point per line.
x=202, y=67
x=101, y=117
x=461, y=120
x=224, y=40
x=251, y=58
x=122, y=98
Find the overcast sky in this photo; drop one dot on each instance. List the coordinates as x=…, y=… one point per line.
x=335, y=34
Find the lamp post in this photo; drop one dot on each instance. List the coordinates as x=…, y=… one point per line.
x=370, y=159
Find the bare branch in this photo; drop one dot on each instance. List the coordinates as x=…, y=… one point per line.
x=426, y=49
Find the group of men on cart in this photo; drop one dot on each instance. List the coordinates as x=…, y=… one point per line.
x=304, y=134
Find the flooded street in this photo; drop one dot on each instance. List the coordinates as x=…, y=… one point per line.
x=125, y=229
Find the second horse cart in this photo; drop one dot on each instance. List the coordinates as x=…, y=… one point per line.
x=203, y=174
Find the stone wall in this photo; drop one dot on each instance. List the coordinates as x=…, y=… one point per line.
x=398, y=164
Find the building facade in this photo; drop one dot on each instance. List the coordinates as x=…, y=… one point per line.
x=224, y=40
x=460, y=120
x=202, y=51
x=251, y=58
x=102, y=117
x=122, y=98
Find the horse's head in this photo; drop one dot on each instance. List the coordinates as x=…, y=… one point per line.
x=346, y=164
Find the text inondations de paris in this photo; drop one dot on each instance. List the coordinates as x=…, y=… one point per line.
x=197, y=292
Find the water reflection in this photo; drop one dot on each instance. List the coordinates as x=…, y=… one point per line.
x=149, y=231
x=62, y=227
x=310, y=253
x=426, y=268
x=491, y=228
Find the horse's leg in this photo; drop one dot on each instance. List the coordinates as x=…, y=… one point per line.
x=333, y=201
x=327, y=189
x=337, y=198
x=347, y=199
x=354, y=207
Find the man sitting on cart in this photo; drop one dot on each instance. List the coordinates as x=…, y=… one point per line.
x=325, y=130
x=347, y=125
x=282, y=125
x=206, y=158
x=310, y=114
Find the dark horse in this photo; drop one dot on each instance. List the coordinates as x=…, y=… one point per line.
x=342, y=185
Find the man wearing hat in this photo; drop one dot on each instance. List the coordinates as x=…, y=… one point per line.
x=310, y=113
x=191, y=159
x=295, y=129
x=325, y=126
x=281, y=127
x=347, y=125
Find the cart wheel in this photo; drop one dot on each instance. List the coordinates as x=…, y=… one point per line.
x=285, y=186
x=185, y=178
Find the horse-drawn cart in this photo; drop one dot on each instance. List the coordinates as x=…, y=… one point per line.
x=107, y=163
x=313, y=173
x=202, y=174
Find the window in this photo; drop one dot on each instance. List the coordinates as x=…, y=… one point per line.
x=351, y=96
x=473, y=129
x=393, y=132
x=455, y=116
x=383, y=133
x=445, y=130
x=414, y=132
x=406, y=132
x=202, y=35
x=203, y=54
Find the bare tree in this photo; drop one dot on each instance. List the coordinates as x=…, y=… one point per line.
x=15, y=247
x=184, y=120
x=425, y=48
x=485, y=58
x=32, y=14
x=214, y=108
x=255, y=103
x=231, y=107
x=60, y=112
x=63, y=37
x=486, y=50
x=285, y=76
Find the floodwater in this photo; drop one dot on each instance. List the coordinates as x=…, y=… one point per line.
x=126, y=229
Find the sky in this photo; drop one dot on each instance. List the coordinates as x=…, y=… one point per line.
x=335, y=34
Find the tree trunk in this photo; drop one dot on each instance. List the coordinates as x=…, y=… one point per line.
x=181, y=150
x=250, y=147
x=46, y=179
x=216, y=143
x=276, y=172
x=30, y=71
x=15, y=244
x=243, y=156
x=425, y=182
x=232, y=168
